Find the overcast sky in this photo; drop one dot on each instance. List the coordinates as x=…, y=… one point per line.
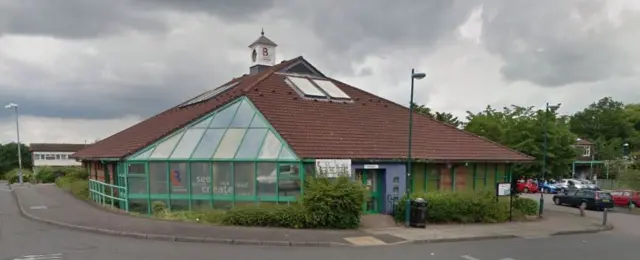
x=85, y=69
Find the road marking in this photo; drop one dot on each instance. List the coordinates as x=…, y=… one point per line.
x=40, y=257
x=468, y=257
x=38, y=207
x=365, y=241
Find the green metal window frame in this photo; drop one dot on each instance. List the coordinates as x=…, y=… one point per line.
x=211, y=196
x=427, y=178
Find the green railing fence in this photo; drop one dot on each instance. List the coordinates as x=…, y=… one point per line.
x=108, y=194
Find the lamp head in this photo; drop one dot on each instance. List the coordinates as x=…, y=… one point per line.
x=556, y=106
x=419, y=75
x=11, y=105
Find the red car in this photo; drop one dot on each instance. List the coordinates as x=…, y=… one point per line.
x=626, y=198
x=528, y=186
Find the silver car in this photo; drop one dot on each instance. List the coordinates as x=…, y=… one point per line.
x=568, y=184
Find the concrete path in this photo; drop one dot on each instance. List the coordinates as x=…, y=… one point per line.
x=49, y=204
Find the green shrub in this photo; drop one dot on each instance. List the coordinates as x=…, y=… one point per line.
x=45, y=175
x=159, y=208
x=525, y=206
x=76, y=172
x=293, y=216
x=13, y=177
x=449, y=207
x=333, y=203
x=80, y=189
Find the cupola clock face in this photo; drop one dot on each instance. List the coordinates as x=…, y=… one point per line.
x=254, y=55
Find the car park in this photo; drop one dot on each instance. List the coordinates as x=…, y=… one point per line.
x=589, y=199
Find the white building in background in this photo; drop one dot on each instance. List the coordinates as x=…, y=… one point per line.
x=44, y=154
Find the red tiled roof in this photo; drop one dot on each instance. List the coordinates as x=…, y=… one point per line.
x=581, y=141
x=51, y=147
x=138, y=136
x=367, y=128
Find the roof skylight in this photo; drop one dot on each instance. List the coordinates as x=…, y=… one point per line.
x=306, y=87
x=331, y=89
x=209, y=94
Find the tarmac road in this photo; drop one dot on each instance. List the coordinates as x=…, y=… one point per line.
x=24, y=239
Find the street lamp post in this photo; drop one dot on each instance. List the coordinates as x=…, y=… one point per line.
x=544, y=148
x=15, y=109
x=414, y=75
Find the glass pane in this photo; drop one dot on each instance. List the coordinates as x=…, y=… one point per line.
x=137, y=185
x=158, y=177
x=223, y=118
x=208, y=144
x=222, y=179
x=243, y=116
x=136, y=168
x=179, y=205
x=200, y=178
x=270, y=147
x=229, y=144
x=251, y=144
x=204, y=123
x=267, y=179
x=144, y=155
x=289, y=180
x=138, y=206
x=258, y=122
x=179, y=178
x=187, y=143
x=286, y=154
x=164, y=149
x=244, y=179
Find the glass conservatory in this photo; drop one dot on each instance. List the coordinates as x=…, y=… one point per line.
x=228, y=157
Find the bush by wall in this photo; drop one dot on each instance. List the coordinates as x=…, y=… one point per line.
x=77, y=187
x=467, y=207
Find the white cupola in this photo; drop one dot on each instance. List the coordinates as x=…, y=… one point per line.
x=263, y=54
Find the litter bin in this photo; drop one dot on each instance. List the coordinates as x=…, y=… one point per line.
x=418, y=213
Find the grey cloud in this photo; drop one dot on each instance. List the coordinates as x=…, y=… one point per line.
x=91, y=97
x=544, y=42
x=354, y=29
x=95, y=18
x=74, y=18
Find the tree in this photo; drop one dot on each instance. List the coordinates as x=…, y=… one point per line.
x=9, y=157
x=606, y=123
x=444, y=117
x=522, y=129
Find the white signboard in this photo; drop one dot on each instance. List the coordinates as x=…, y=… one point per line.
x=503, y=189
x=333, y=168
x=371, y=166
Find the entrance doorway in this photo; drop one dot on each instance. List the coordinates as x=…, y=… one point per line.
x=372, y=180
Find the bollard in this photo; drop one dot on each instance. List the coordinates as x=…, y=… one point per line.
x=581, y=208
x=604, y=216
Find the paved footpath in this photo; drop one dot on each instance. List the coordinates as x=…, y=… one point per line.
x=47, y=203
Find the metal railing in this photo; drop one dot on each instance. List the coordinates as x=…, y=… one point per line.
x=107, y=194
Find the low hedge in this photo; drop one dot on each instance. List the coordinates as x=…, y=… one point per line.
x=467, y=207
x=334, y=203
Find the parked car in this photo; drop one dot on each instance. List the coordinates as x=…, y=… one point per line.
x=528, y=186
x=565, y=185
x=587, y=184
x=550, y=187
x=589, y=199
x=626, y=198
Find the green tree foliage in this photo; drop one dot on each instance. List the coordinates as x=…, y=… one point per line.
x=9, y=157
x=608, y=124
x=522, y=129
x=444, y=117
